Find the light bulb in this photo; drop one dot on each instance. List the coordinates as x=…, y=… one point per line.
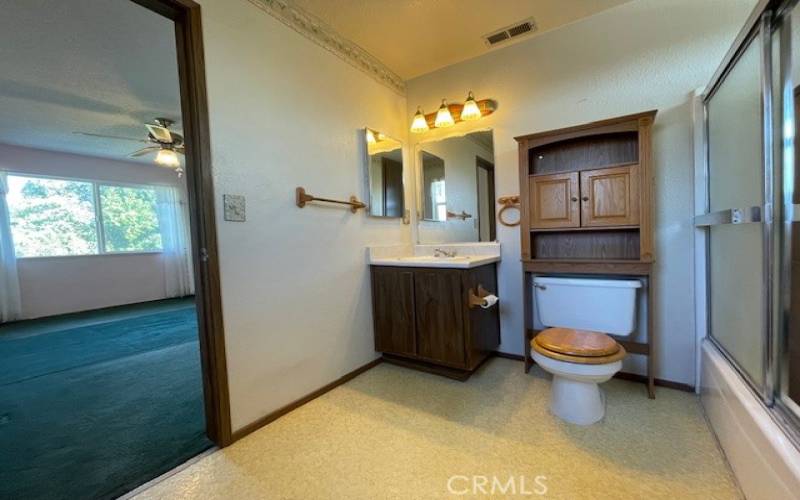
x=419, y=124
x=167, y=158
x=470, y=111
x=371, y=137
x=443, y=116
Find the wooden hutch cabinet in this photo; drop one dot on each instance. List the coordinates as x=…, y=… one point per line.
x=586, y=203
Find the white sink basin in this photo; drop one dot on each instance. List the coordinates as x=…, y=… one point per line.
x=459, y=261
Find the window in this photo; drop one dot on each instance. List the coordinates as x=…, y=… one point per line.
x=130, y=220
x=59, y=217
x=439, y=201
x=51, y=216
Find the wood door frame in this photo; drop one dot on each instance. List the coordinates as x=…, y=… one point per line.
x=384, y=160
x=194, y=110
x=481, y=163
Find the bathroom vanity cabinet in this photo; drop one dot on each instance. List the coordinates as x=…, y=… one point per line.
x=423, y=318
x=586, y=209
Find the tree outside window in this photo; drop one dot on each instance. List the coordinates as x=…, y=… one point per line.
x=59, y=217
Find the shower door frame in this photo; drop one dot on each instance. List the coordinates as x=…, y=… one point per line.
x=768, y=17
x=756, y=30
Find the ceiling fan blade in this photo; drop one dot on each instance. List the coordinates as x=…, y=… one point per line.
x=104, y=136
x=160, y=133
x=144, y=151
x=180, y=149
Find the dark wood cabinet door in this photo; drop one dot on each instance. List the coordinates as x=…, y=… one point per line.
x=610, y=196
x=393, y=310
x=440, y=303
x=483, y=325
x=554, y=201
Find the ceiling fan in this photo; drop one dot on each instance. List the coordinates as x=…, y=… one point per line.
x=164, y=142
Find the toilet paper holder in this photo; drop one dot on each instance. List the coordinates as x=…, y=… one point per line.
x=480, y=299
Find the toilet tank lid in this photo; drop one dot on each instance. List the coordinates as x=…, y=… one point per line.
x=597, y=283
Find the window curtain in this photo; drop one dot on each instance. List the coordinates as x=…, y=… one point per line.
x=10, y=301
x=173, y=219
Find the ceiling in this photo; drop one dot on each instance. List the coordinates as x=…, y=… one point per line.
x=108, y=66
x=98, y=66
x=414, y=37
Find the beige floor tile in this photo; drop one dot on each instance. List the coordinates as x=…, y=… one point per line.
x=397, y=433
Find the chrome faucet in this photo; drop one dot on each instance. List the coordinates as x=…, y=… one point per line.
x=438, y=252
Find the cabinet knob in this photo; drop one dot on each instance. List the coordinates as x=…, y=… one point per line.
x=574, y=198
x=585, y=198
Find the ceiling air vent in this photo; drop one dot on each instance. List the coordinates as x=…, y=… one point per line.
x=515, y=30
x=497, y=37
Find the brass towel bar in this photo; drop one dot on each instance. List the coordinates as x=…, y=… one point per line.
x=303, y=198
x=463, y=215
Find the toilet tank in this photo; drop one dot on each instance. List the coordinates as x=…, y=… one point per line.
x=601, y=305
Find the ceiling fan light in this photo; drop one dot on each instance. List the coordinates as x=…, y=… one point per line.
x=419, y=124
x=168, y=158
x=443, y=117
x=470, y=111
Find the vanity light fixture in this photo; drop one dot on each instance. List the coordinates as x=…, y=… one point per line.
x=470, y=111
x=450, y=114
x=420, y=124
x=443, y=117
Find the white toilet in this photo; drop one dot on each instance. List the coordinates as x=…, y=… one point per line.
x=575, y=348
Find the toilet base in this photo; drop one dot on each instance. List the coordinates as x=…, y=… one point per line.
x=577, y=402
x=576, y=395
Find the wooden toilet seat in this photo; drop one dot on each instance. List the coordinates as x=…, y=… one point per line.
x=577, y=346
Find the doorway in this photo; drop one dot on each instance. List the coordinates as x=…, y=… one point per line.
x=112, y=338
x=487, y=222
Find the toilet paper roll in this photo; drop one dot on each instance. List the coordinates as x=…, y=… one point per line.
x=489, y=301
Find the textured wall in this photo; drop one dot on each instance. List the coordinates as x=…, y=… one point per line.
x=647, y=54
x=295, y=284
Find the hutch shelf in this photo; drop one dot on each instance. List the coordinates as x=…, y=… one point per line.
x=586, y=208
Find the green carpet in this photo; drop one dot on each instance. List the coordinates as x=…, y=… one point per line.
x=96, y=410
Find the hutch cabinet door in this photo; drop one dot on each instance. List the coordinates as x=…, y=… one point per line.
x=440, y=325
x=610, y=196
x=393, y=310
x=554, y=201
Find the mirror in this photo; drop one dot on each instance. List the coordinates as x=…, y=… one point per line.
x=456, y=189
x=384, y=169
x=435, y=208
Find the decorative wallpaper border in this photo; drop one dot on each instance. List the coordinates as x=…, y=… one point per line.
x=323, y=35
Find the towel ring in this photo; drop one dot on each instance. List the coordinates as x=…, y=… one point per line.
x=508, y=202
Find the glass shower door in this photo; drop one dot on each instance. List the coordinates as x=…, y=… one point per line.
x=738, y=248
x=788, y=220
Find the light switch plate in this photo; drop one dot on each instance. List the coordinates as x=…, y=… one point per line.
x=235, y=210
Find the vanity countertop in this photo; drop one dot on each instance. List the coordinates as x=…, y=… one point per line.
x=459, y=261
x=465, y=256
